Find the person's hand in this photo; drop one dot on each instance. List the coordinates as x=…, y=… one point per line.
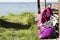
x=39, y=25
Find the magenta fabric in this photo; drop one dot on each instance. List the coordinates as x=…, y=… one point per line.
x=44, y=16
x=45, y=32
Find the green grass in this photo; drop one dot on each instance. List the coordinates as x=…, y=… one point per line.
x=15, y=32
x=10, y=28
x=55, y=12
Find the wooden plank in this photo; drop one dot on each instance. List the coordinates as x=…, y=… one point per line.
x=59, y=15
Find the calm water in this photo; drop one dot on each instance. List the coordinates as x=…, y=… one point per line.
x=17, y=7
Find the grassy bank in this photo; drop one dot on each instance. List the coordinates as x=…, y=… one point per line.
x=18, y=27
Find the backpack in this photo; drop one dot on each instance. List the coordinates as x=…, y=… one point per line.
x=47, y=32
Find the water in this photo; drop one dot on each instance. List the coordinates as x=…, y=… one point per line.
x=17, y=7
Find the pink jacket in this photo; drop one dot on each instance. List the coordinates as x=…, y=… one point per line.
x=44, y=16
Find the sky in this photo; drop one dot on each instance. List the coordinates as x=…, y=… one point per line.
x=27, y=0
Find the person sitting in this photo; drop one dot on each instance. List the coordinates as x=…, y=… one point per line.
x=46, y=24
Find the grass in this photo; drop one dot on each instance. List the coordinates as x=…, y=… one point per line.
x=18, y=27
x=11, y=29
x=55, y=12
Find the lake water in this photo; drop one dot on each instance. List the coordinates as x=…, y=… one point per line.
x=17, y=7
